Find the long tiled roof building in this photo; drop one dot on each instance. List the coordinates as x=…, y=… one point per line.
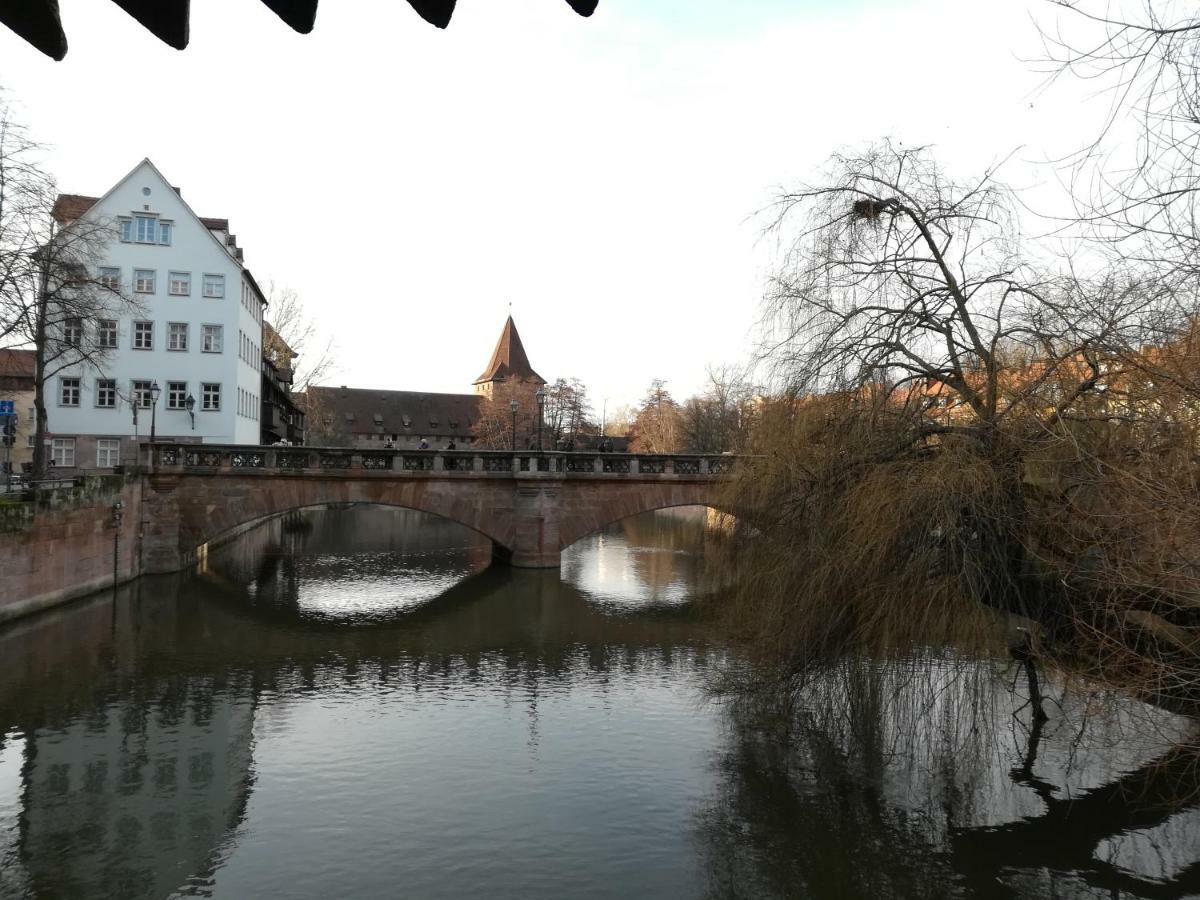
x=367, y=417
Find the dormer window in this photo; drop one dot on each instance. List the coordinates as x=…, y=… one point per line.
x=406, y=421
x=378, y=419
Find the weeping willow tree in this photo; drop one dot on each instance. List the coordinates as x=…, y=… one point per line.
x=956, y=421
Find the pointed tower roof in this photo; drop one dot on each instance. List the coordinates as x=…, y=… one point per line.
x=509, y=359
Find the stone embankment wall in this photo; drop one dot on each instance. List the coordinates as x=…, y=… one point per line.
x=60, y=546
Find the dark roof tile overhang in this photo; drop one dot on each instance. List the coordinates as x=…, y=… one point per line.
x=38, y=22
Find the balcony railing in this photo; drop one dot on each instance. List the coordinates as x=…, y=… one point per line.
x=342, y=461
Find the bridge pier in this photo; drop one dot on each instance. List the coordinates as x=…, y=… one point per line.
x=535, y=532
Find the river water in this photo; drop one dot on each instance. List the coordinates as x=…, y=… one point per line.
x=349, y=703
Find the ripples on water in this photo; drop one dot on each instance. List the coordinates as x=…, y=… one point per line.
x=349, y=703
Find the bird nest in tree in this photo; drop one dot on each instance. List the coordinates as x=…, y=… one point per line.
x=870, y=210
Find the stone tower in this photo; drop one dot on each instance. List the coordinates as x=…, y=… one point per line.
x=509, y=364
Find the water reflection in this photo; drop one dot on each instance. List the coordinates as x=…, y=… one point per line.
x=288, y=725
x=354, y=564
x=642, y=561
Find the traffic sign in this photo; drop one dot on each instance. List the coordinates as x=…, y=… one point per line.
x=6, y=408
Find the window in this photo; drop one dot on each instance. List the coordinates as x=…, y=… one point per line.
x=68, y=392
x=212, y=339
x=106, y=333
x=214, y=285
x=211, y=394
x=73, y=332
x=179, y=284
x=145, y=229
x=141, y=394
x=106, y=393
x=108, y=453
x=143, y=335
x=62, y=452
x=177, y=335
x=126, y=230
x=29, y=438
x=143, y=281
x=110, y=277
x=164, y=233
x=176, y=394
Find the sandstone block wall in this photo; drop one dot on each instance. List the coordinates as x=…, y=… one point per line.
x=62, y=546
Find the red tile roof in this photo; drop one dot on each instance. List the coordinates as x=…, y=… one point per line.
x=69, y=207
x=509, y=359
x=16, y=363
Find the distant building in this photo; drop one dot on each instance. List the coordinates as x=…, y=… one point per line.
x=509, y=365
x=282, y=419
x=16, y=384
x=196, y=332
x=373, y=419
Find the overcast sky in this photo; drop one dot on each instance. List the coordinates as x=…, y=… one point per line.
x=600, y=174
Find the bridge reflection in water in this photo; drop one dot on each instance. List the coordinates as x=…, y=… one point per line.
x=280, y=727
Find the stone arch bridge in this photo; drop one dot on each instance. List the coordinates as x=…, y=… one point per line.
x=531, y=505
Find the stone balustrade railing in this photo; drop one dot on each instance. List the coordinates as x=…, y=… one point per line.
x=214, y=458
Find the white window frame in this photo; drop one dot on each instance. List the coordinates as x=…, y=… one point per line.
x=102, y=329
x=125, y=223
x=59, y=450
x=210, y=390
x=139, y=283
x=214, y=286
x=208, y=331
x=182, y=392
x=111, y=450
x=110, y=277
x=63, y=386
x=181, y=278
x=151, y=223
x=73, y=331
x=138, y=333
x=142, y=398
x=103, y=385
x=166, y=228
x=172, y=333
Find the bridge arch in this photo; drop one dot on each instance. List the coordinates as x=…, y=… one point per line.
x=586, y=512
x=187, y=513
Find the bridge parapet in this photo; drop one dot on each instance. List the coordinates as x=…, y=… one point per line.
x=200, y=459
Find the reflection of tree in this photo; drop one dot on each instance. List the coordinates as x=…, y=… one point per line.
x=886, y=781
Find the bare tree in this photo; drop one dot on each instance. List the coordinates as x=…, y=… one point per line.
x=716, y=421
x=293, y=329
x=53, y=297
x=657, y=426
x=1136, y=179
x=568, y=410
x=499, y=427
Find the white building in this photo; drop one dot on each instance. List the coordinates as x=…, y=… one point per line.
x=196, y=332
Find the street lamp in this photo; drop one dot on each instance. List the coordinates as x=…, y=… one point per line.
x=190, y=405
x=512, y=404
x=155, y=390
x=541, y=401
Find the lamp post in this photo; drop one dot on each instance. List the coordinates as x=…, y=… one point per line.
x=512, y=405
x=155, y=390
x=541, y=402
x=190, y=405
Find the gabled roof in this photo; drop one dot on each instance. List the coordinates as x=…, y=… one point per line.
x=509, y=359
x=79, y=204
x=37, y=21
x=69, y=207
